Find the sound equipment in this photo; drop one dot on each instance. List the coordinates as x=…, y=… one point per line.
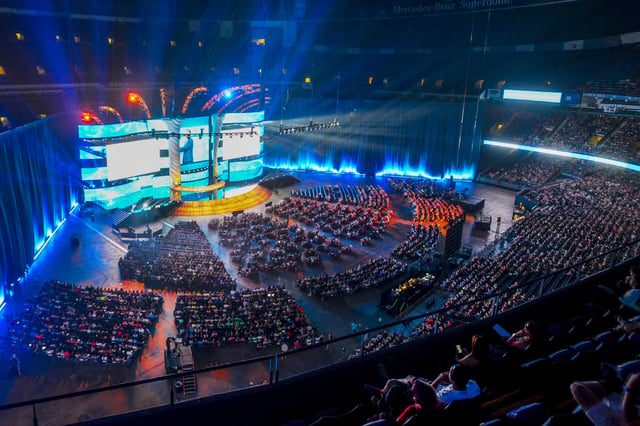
x=483, y=223
x=451, y=242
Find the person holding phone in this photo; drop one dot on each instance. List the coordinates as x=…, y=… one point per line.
x=478, y=356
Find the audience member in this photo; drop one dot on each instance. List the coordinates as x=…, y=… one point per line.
x=455, y=385
x=605, y=408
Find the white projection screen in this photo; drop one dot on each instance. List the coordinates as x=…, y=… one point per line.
x=135, y=158
x=234, y=146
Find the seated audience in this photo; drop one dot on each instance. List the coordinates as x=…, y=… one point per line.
x=373, y=273
x=181, y=260
x=262, y=317
x=86, y=323
x=419, y=400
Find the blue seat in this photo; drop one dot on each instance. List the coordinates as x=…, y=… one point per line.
x=586, y=346
x=609, y=338
x=562, y=356
x=528, y=415
x=628, y=368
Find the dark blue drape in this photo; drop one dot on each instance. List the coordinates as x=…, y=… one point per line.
x=38, y=176
x=374, y=137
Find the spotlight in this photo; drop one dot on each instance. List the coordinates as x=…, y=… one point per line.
x=86, y=117
x=133, y=98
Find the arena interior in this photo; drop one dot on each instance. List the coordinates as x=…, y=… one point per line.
x=320, y=213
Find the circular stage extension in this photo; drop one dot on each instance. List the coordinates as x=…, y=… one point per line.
x=256, y=196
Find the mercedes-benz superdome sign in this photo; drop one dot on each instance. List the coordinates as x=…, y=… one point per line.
x=427, y=7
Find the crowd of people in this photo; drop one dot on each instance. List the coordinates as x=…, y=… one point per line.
x=528, y=172
x=623, y=142
x=429, y=200
x=573, y=221
x=600, y=134
x=181, y=260
x=259, y=243
x=579, y=132
x=86, y=323
x=425, y=188
x=373, y=196
x=372, y=273
x=343, y=221
x=429, y=210
x=420, y=243
x=380, y=341
x=529, y=127
x=262, y=317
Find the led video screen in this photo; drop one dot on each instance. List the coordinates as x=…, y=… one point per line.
x=125, y=162
x=240, y=144
x=199, y=128
x=129, y=159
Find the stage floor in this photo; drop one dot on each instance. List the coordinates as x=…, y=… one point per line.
x=94, y=261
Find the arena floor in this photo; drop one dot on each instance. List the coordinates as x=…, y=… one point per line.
x=94, y=261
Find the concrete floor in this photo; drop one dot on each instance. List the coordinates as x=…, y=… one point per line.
x=94, y=261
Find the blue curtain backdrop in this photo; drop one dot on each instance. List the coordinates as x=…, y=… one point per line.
x=39, y=173
x=374, y=137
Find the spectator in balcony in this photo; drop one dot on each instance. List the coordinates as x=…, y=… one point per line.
x=478, y=356
x=455, y=385
x=632, y=295
x=608, y=409
x=404, y=400
x=529, y=338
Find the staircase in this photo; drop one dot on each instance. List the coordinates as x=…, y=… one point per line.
x=118, y=216
x=189, y=383
x=619, y=125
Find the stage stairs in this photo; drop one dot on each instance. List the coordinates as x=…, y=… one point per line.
x=189, y=382
x=118, y=216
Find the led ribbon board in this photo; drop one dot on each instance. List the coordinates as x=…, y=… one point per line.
x=634, y=167
x=532, y=95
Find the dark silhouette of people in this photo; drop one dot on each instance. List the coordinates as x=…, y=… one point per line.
x=15, y=364
x=187, y=157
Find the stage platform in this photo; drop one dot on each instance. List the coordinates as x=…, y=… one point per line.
x=471, y=204
x=256, y=196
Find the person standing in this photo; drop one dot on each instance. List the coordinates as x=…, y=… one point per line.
x=187, y=157
x=15, y=364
